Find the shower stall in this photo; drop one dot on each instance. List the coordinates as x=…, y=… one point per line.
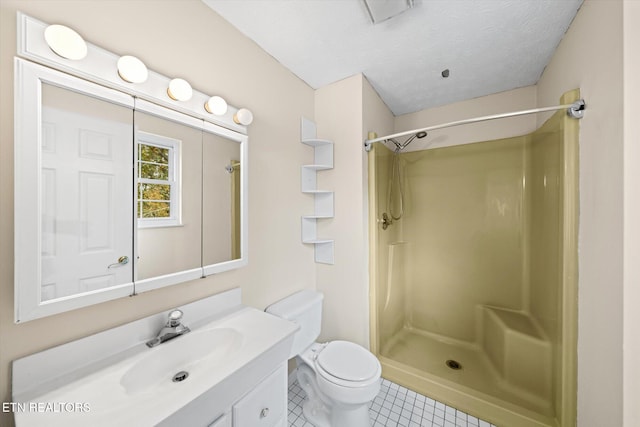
x=473, y=272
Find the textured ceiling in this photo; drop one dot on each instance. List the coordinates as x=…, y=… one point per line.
x=489, y=46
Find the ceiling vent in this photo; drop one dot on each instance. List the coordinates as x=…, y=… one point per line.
x=381, y=10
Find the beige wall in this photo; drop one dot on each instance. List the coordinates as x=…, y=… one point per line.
x=590, y=58
x=183, y=38
x=512, y=100
x=339, y=110
x=345, y=112
x=631, y=214
x=376, y=116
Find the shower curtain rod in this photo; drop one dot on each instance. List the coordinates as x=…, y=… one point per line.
x=575, y=110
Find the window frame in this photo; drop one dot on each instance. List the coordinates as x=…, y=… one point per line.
x=174, y=180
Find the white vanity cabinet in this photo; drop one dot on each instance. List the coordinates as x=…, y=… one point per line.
x=222, y=421
x=265, y=405
x=247, y=401
x=235, y=357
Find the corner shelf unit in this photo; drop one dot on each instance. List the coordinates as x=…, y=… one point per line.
x=323, y=199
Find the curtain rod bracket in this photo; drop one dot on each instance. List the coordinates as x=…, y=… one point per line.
x=367, y=145
x=577, y=109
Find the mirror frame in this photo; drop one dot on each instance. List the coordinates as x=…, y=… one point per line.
x=28, y=80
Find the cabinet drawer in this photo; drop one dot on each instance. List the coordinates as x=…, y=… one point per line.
x=265, y=405
x=222, y=421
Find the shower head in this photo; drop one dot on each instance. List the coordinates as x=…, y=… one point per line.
x=396, y=143
x=400, y=147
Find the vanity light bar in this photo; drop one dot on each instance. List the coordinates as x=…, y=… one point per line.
x=52, y=46
x=132, y=70
x=65, y=42
x=243, y=117
x=216, y=105
x=179, y=90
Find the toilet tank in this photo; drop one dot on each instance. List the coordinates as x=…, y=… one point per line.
x=305, y=309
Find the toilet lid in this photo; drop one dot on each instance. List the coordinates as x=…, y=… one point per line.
x=348, y=361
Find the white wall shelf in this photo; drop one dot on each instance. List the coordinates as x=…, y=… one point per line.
x=323, y=199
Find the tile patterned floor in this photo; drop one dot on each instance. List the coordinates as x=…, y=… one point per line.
x=395, y=406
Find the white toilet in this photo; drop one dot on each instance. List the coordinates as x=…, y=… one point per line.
x=340, y=378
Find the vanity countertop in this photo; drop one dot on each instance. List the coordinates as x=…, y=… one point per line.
x=100, y=399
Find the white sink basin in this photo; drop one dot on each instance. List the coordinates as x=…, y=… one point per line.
x=223, y=357
x=181, y=355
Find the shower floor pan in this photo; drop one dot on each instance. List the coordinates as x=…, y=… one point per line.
x=418, y=359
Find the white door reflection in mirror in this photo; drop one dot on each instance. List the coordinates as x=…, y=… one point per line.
x=86, y=192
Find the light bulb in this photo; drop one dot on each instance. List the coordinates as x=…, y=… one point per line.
x=179, y=90
x=65, y=42
x=243, y=117
x=132, y=70
x=216, y=105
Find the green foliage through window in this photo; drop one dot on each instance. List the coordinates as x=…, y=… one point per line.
x=154, y=185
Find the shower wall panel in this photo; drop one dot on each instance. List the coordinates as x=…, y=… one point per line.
x=546, y=188
x=391, y=268
x=546, y=183
x=465, y=207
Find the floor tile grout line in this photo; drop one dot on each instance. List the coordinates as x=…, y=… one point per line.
x=395, y=406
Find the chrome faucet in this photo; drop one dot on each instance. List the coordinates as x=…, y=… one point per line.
x=173, y=328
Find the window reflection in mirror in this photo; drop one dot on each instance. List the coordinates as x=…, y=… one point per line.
x=86, y=174
x=168, y=196
x=158, y=180
x=221, y=199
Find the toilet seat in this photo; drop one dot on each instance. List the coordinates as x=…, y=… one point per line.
x=347, y=364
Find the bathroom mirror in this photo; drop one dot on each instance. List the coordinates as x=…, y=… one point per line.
x=115, y=195
x=73, y=229
x=85, y=173
x=168, y=196
x=223, y=200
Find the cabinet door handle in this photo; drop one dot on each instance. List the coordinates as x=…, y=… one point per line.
x=121, y=261
x=264, y=412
